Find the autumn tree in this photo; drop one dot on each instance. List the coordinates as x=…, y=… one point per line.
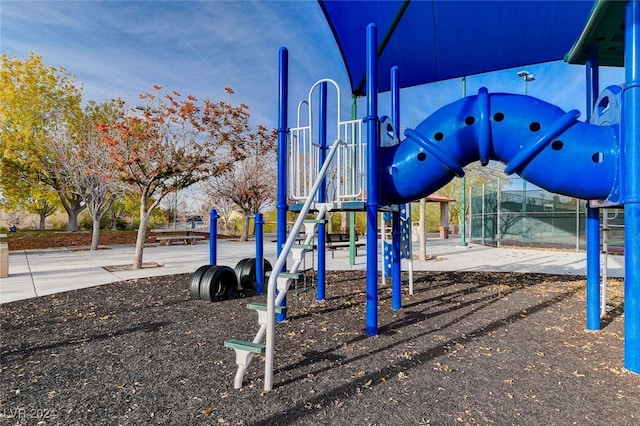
x=171, y=143
x=84, y=163
x=40, y=200
x=22, y=195
x=119, y=211
x=36, y=101
x=250, y=183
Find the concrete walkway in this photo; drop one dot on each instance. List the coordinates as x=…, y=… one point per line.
x=35, y=273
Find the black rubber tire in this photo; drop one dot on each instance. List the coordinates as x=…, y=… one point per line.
x=248, y=276
x=217, y=283
x=238, y=270
x=194, y=285
x=229, y=283
x=206, y=282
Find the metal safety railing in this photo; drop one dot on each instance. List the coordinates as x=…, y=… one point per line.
x=346, y=178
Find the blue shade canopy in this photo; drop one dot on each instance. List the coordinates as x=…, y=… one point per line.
x=438, y=40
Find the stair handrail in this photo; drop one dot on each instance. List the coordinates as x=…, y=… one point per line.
x=271, y=286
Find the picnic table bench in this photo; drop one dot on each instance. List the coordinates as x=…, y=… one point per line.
x=167, y=236
x=337, y=241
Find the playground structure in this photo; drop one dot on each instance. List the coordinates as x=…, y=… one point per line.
x=597, y=160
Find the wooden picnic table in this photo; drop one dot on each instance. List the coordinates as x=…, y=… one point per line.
x=167, y=236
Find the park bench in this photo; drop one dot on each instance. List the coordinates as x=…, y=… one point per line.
x=186, y=239
x=337, y=241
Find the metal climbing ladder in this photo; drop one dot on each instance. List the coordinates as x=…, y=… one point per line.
x=281, y=280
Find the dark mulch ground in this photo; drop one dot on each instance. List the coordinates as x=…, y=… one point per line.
x=467, y=348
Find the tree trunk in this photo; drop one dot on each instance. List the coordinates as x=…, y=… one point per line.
x=95, y=236
x=422, y=240
x=73, y=206
x=245, y=229
x=43, y=217
x=72, y=224
x=142, y=232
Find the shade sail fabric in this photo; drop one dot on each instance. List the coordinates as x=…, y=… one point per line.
x=438, y=40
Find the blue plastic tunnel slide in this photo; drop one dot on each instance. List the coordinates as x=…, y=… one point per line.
x=537, y=140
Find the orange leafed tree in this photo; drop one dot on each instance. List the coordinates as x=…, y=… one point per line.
x=172, y=142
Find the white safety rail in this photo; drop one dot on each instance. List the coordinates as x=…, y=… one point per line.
x=346, y=179
x=351, y=162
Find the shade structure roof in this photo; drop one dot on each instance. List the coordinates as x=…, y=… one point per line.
x=605, y=31
x=438, y=40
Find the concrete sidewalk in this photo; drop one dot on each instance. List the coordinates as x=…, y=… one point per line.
x=35, y=273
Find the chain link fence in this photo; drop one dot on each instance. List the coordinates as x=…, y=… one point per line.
x=518, y=214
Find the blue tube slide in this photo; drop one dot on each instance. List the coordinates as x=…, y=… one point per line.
x=536, y=140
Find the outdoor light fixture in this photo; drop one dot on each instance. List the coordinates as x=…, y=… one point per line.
x=527, y=77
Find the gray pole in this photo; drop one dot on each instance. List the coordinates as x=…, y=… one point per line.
x=463, y=190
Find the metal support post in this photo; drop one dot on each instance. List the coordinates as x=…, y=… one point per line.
x=372, y=180
x=631, y=185
x=259, y=253
x=322, y=193
x=593, y=214
x=213, y=237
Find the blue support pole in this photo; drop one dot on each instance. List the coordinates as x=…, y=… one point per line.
x=593, y=269
x=396, y=302
x=395, y=100
x=593, y=214
x=631, y=186
x=372, y=203
x=322, y=193
x=259, y=253
x=213, y=237
x=396, y=278
x=281, y=205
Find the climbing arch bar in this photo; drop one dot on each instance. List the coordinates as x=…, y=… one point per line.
x=347, y=177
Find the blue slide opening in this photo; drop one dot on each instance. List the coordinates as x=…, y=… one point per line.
x=536, y=140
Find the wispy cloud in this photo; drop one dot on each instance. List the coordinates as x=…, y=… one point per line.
x=122, y=48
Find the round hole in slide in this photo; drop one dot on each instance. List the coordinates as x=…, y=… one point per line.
x=597, y=157
x=557, y=145
x=535, y=126
x=438, y=136
x=422, y=156
x=498, y=117
x=393, y=170
x=469, y=120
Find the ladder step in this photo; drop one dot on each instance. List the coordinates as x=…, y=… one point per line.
x=263, y=307
x=310, y=225
x=303, y=246
x=291, y=275
x=256, y=348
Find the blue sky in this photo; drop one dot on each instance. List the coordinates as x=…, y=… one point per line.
x=121, y=49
